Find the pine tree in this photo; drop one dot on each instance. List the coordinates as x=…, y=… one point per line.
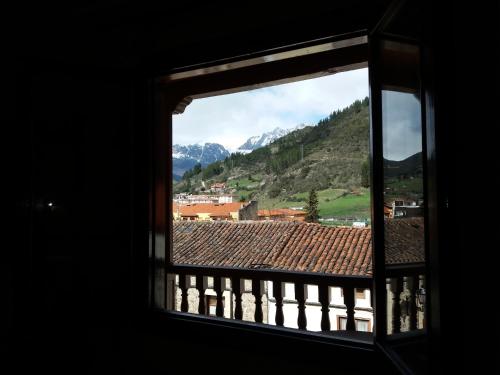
x=365, y=173
x=312, y=213
x=188, y=186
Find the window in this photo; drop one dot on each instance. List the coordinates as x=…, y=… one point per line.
x=268, y=186
x=342, y=323
x=211, y=305
x=242, y=184
x=360, y=293
x=247, y=208
x=362, y=325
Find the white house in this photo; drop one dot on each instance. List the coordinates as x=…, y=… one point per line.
x=288, y=246
x=363, y=311
x=299, y=247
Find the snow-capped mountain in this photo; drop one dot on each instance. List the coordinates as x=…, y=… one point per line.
x=185, y=157
x=258, y=141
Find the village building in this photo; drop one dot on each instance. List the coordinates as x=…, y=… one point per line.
x=218, y=187
x=299, y=247
x=403, y=208
x=291, y=246
x=185, y=198
x=234, y=211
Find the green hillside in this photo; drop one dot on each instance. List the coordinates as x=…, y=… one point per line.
x=327, y=157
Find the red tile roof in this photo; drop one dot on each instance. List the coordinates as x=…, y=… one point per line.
x=289, y=246
x=294, y=246
x=404, y=240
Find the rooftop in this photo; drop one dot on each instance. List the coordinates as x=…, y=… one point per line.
x=288, y=246
x=294, y=246
x=404, y=240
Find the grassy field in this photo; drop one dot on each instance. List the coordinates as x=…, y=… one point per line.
x=332, y=203
x=337, y=203
x=404, y=188
x=347, y=206
x=245, y=187
x=243, y=183
x=323, y=195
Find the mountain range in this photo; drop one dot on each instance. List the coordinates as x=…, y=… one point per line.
x=264, y=139
x=327, y=155
x=411, y=166
x=186, y=157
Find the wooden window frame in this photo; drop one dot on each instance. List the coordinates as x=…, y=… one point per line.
x=356, y=320
x=171, y=96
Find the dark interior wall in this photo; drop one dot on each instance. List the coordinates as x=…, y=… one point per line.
x=468, y=64
x=72, y=274
x=466, y=46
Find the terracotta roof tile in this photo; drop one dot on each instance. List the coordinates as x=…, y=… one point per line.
x=294, y=246
x=289, y=246
x=404, y=239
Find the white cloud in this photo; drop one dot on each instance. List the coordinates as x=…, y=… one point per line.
x=231, y=119
x=402, y=125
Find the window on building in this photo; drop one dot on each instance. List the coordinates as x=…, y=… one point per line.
x=211, y=304
x=360, y=293
x=362, y=325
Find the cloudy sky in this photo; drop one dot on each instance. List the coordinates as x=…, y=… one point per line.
x=231, y=119
x=402, y=128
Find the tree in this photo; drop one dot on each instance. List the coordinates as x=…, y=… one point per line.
x=312, y=212
x=305, y=171
x=365, y=173
x=196, y=169
x=187, y=189
x=274, y=191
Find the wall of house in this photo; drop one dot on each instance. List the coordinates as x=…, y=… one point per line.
x=313, y=307
x=404, y=296
x=193, y=300
x=73, y=265
x=247, y=299
x=249, y=211
x=204, y=216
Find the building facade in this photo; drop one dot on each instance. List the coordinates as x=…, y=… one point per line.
x=299, y=247
x=235, y=211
